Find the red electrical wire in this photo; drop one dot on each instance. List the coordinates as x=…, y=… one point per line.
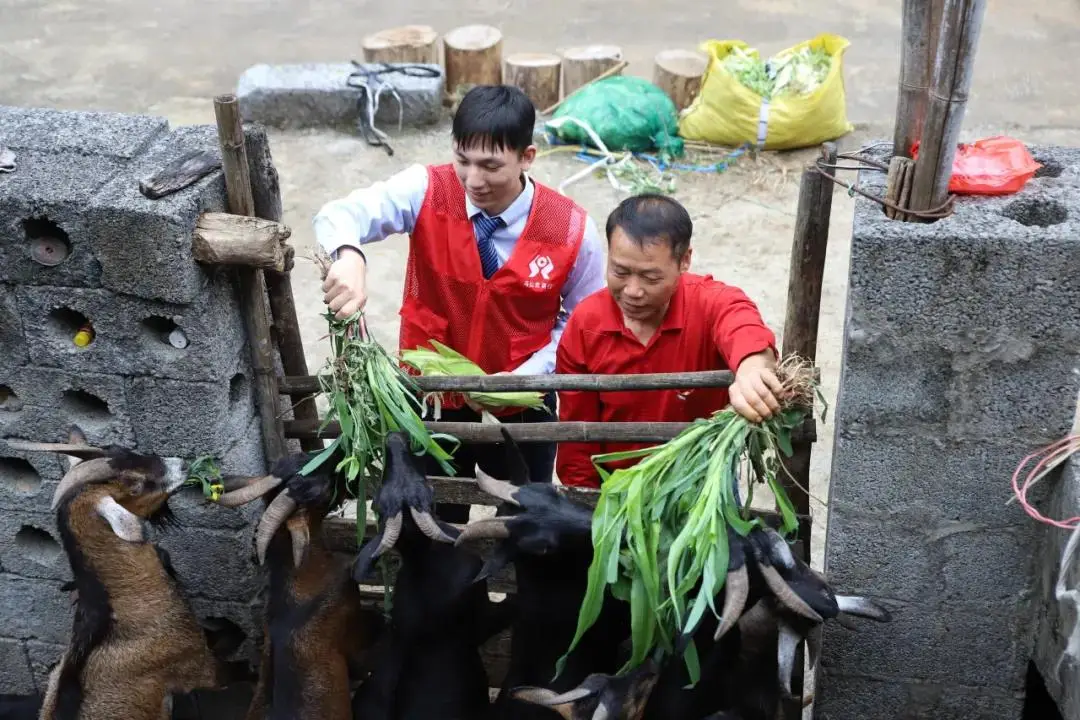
x=1052, y=455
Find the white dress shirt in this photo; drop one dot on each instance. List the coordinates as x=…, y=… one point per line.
x=392, y=206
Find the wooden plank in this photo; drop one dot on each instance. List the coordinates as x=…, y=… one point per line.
x=548, y=383
x=638, y=432
x=226, y=239
x=252, y=283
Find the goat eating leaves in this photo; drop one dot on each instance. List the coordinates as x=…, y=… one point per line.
x=135, y=641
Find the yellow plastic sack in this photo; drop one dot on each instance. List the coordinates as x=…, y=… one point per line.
x=726, y=112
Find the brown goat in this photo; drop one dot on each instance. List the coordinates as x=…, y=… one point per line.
x=315, y=628
x=135, y=640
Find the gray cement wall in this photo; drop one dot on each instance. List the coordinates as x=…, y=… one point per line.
x=1057, y=620
x=130, y=273
x=961, y=356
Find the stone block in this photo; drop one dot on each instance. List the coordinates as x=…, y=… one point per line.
x=13, y=352
x=109, y=134
x=189, y=419
x=225, y=618
x=839, y=697
x=30, y=546
x=312, y=95
x=43, y=658
x=33, y=609
x=923, y=479
x=15, y=675
x=962, y=644
x=984, y=283
x=160, y=267
x=215, y=564
x=44, y=236
x=27, y=480
x=131, y=335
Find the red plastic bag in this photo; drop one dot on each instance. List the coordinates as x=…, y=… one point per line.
x=996, y=165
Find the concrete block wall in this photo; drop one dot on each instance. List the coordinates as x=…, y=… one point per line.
x=961, y=356
x=129, y=272
x=1056, y=620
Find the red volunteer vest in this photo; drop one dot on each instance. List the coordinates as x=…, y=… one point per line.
x=497, y=322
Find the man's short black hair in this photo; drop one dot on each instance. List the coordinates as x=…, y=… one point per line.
x=652, y=217
x=495, y=117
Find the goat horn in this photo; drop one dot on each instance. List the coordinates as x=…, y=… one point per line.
x=391, y=533
x=251, y=489
x=496, y=488
x=862, y=607
x=786, y=595
x=125, y=524
x=428, y=526
x=813, y=645
x=786, y=644
x=493, y=527
x=738, y=588
x=560, y=703
x=91, y=471
x=272, y=518
x=79, y=450
x=301, y=536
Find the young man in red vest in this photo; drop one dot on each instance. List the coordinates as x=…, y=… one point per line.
x=496, y=260
x=654, y=316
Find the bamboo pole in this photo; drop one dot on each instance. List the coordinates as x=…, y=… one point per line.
x=547, y=383
x=588, y=432
x=954, y=65
x=914, y=81
x=234, y=162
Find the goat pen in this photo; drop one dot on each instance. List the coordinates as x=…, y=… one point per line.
x=257, y=198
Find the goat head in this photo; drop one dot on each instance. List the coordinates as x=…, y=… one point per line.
x=404, y=486
x=599, y=697
x=138, y=486
x=292, y=506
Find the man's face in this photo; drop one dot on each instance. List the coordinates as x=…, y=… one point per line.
x=642, y=278
x=491, y=178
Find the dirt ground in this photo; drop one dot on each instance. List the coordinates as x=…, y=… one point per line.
x=171, y=57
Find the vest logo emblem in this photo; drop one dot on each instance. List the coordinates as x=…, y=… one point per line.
x=540, y=269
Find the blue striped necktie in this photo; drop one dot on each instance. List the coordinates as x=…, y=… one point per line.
x=485, y=227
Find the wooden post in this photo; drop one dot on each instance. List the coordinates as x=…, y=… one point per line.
x=678, y=73
x=405, y=44
x=473, y=56
x=225, y=239
x=954, y=65
x=234, y=162
x=537, y=75
x=800, y=338
x=582, y=64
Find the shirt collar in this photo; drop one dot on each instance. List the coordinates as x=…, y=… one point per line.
x=518, y=209
x=674, y=318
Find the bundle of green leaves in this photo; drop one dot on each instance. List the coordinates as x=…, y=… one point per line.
x=660, y=528
x=794, y=72
x=369, y=396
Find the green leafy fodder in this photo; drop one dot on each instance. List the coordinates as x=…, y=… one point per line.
x=660, y=528
x=444, y=361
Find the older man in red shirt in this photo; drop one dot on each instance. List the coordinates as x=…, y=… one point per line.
x=655, y=316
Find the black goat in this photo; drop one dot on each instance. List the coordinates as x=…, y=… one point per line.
x=135, y=641
x=548, y=538
x=315, y=632
x=430, y=666
x=746, y=665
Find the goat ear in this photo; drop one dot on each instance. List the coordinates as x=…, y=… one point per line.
x=125, y=524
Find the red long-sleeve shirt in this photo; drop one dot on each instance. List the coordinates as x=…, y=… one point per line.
x=708, y=326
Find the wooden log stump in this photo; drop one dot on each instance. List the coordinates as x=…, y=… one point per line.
x=225, y=239
x=473, y=56
x=405, y=44
x=582, y=64
x=537, y=75
x=678, y=73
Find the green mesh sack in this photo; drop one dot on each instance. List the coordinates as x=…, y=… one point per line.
x=627, y=113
